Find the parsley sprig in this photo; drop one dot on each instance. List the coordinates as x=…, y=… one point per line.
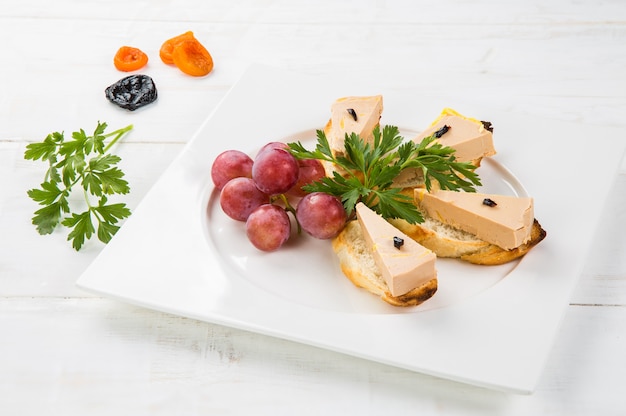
x=370, y=170
x=84, y=161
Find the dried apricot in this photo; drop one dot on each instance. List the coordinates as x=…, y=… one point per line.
x=129, y=59
x=165, y=53
x=191, y=57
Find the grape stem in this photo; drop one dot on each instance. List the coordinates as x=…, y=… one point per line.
x=288, y=208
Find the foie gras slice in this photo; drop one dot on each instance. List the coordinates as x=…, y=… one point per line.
x=471, y=139
x=349, y=115
x=503, y=220
x=405, y=267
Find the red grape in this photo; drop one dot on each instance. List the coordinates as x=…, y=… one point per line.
x=275, y=171
x=321, y=215
x=272, y=145
x=268, y=227
x=311, y=170
x=240, y=196
x=230, y=164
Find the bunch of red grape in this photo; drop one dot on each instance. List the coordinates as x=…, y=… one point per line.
x=262, y=191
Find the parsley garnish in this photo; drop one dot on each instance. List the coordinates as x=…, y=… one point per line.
x=369, y=171
x=82, y=161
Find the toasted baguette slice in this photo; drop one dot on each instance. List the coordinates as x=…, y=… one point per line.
x=446, y=241
x=358, y=264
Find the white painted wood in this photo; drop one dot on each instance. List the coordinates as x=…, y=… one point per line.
x=64, y=351
x=48, y=265
x=101, y=357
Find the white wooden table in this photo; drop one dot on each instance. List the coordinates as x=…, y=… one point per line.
x=66, y=352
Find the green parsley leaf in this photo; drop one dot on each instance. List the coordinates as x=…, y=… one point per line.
x=82, y=162
x=371, y=168
x=48, y=194
x=82, y=228
x=108, y=216
x=111, y=213
x=47, y=218
x=43, y=150
x=106, y=231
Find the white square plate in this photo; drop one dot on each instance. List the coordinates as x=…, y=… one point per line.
x=488, y=326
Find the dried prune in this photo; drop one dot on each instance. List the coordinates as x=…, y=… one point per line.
x=132, y=92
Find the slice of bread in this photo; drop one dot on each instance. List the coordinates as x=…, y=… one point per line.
x=446, y=241
x=358, y=265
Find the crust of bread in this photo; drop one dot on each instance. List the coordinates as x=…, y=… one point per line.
x=446, y=241
x=358, y=265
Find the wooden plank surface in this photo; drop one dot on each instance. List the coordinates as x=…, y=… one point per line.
x=64, y=351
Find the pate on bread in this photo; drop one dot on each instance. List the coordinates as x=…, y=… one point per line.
x=498, y=230
x=352, y=114
x=449, y=242
x=403, y=263
x=447, y=238
x=358, y=264
x=471, y=139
